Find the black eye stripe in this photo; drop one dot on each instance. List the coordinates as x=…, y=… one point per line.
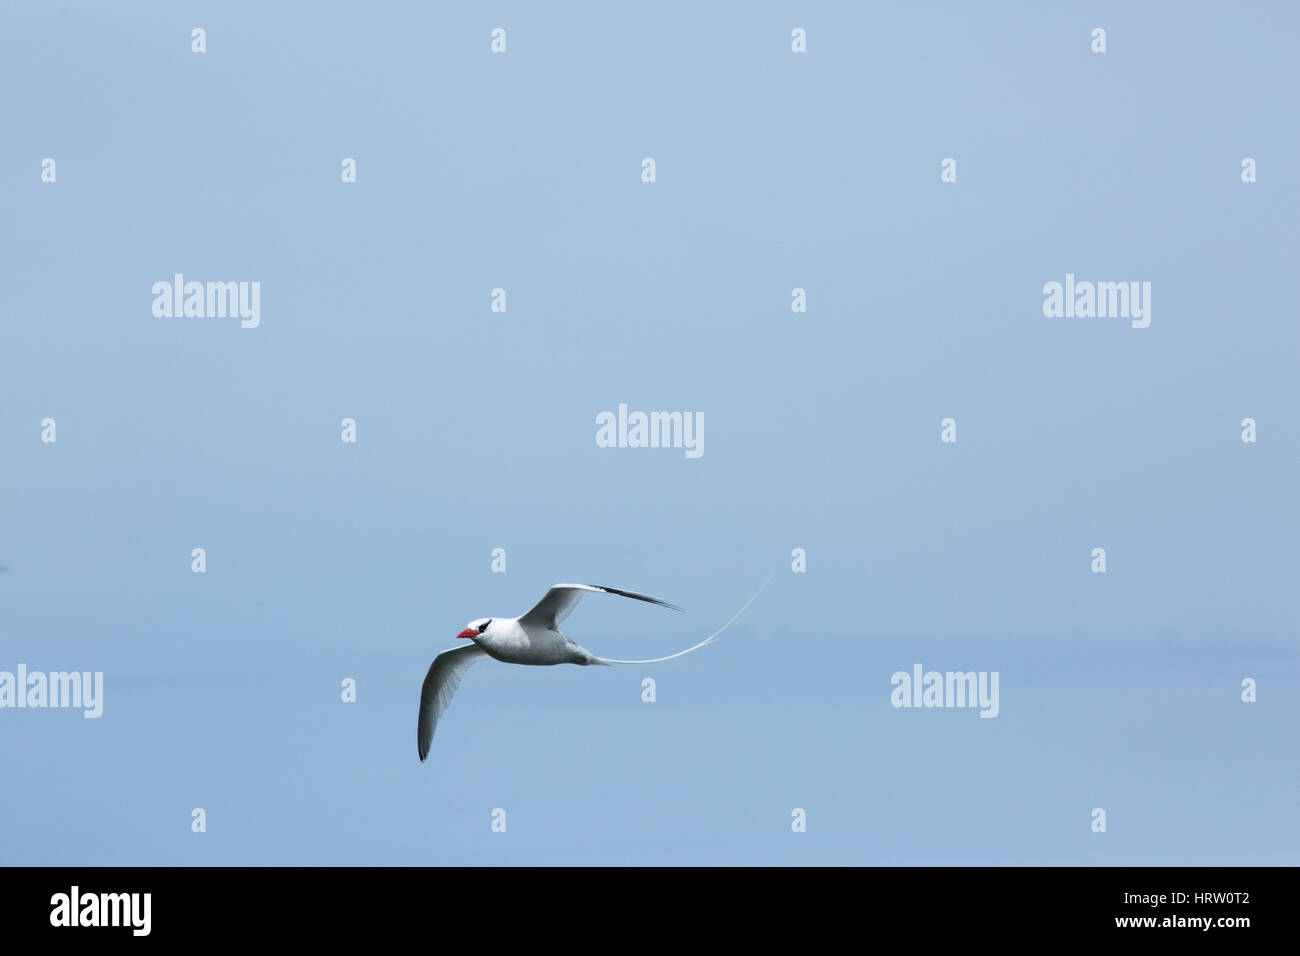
x=484, y=627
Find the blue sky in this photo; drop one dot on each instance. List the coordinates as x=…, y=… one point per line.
x=476, y=430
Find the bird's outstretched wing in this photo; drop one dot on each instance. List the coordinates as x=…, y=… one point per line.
x=563, y=598
x=439, y=685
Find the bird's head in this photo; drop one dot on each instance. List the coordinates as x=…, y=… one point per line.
x=476, y=628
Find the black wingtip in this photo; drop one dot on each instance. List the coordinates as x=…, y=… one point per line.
x=639, y=597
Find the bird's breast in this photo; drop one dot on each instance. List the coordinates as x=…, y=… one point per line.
x=525, y=647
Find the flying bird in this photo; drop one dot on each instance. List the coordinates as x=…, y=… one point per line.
x=533, y=638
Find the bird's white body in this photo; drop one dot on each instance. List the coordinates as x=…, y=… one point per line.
x=512, y=642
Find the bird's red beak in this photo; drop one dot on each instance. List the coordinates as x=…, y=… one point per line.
x=468, y=632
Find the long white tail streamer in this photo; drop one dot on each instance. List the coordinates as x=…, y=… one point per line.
x=708, y=640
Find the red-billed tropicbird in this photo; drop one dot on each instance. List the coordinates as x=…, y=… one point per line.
x=533, y=638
